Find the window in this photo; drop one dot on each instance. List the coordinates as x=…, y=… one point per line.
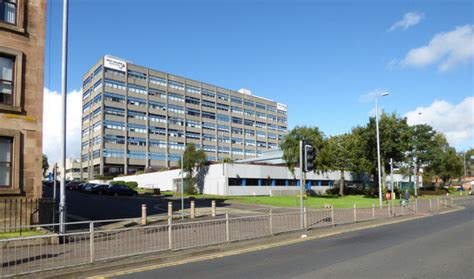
x=7, y=65
x=176, y=85
x=9, y=161
x=193, y=89
x=193, y=112
x=208, y=93
x=6, y=145
x=260, y=106
x=223, y=118
x=158, y=80
x=193, y=124
x=236, y=100
x=8, y=11
x=193, y=101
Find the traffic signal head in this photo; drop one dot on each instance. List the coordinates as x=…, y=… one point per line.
x=309, y=157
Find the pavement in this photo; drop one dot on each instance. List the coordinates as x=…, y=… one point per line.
x=439, y=246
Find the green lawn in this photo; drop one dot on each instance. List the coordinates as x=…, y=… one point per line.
x=320, y=201
x=17, y=234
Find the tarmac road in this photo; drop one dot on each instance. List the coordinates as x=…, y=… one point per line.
x=440, y=246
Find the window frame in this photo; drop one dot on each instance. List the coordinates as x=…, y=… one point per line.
x=17, y=79
x=19, y=25
x=14, y=187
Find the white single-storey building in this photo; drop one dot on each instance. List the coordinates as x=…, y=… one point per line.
x=236, y=179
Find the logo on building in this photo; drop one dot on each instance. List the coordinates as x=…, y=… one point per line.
x=282, y=107
x=114, y=63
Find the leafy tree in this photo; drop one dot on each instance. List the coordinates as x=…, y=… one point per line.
x=290, y=146
x=468, y=162
x=394, y=135
x=45, y=164
x=446, y=163
x=193, y=160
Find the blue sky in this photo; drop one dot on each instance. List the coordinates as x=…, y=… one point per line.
x=318, y=57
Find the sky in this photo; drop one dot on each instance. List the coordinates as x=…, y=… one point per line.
x=325, y=59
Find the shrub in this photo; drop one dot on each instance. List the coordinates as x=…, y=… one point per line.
x=117, y=182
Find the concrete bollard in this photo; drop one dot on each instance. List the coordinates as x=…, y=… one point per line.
x=431, y=206
x=332, y=215
x=193, y=210
x=373, y=211
x=170, y=209
x=213, y=208
x=143, y=214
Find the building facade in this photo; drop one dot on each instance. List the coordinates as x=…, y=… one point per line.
x=73, y=170
x=136, y=118
x=22, y=39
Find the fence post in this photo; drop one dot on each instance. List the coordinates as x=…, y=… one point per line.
x=438, y=203
x=213, y=208
x=170, y=209
x=355, y=212
x=416, y=206
x=170, y=233
x=431, y=206
x=305, y=220
x=388, y=209
x=271, y=221
x=332, y=215
x=373, y=211
x=144, y=214
x=227, y=231
x=193, y=208
x=452, y=201
x=91, y=242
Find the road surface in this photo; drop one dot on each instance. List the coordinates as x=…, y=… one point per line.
x=439, y=246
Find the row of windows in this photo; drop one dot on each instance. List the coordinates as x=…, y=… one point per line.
x=96, y=72
x=277, y=182
x=190, y=111
x=188, y=88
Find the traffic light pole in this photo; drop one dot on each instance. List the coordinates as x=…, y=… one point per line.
x=301, y=184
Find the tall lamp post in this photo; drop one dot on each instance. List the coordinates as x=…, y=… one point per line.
x=378, y=146
x=62, y=201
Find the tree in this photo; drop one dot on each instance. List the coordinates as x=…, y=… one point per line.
x=291, y=151
x=45, y=164
x=468, y=161
x=193, y=160
x=343, y=153
x=394, y=141
x=445, y=163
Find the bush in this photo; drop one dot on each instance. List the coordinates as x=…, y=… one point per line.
x=131, y=184
x=451, y=189
x=117, y=182
x=311, y=193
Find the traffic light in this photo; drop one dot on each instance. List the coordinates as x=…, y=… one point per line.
x=309, y=157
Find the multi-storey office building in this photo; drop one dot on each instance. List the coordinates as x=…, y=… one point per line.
x=136, y=118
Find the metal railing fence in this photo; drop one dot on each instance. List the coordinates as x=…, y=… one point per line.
x=23, y=255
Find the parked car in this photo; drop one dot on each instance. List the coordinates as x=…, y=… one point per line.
x=73, y=185
x=99, y=189
x=86, y=188
x=121, y=190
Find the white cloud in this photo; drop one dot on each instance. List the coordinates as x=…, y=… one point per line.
x=450, y=49
x=408, y=20
x=456, y=121
x=52, y=109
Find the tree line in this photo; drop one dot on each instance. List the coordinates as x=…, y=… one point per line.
x=356, y=151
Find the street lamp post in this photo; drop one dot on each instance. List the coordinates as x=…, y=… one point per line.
x=378, y=146
x=62, y=202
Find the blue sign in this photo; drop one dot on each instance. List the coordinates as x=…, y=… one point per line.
x=50, y=176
